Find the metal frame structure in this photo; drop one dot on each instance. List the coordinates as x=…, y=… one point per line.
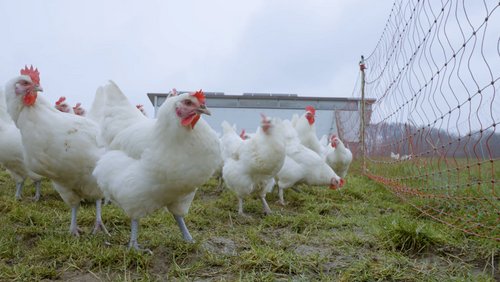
x=243, y=110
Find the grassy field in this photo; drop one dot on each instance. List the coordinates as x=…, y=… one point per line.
x=360, y=233
x=464, y=193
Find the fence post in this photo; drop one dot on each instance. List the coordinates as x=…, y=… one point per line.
x=362, y=68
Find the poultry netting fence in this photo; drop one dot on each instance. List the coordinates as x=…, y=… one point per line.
x=433, y=137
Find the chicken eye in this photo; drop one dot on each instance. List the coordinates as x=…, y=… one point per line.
x=188, y=103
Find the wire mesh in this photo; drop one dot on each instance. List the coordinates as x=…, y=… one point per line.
x=433, y=136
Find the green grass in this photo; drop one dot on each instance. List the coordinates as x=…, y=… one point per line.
x=461, y=192
x=359, y=233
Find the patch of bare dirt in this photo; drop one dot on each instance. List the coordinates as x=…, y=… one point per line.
x=160, y=264
x=220, y=245
x=336, y=262
x=77, y=276
x=305, y=250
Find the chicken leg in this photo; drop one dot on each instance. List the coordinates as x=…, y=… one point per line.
x=19, y=190
x=73, y=228
x=37, y=190
x=268, y=188
x=99, y=225
x=240, y=206
x=281, y=200
x=267, y=210
x=134, y=230
x=183, y=228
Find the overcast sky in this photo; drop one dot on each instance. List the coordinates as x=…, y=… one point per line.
x=310, y=48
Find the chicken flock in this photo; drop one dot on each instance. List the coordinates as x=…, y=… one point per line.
x=115, y=151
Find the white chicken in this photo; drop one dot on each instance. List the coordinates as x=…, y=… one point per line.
x=96, y=111
x=244, y=135
x=302, y=165
x=405, y=157
x=140, y=107
x=306, y=130
x=119, y=116
x=394, y=156
x=324, y=143
x=255, y=163
x=63, y=106
x=230, y=141
x=79, y=110
x=58, y=146
x=11, y=152
x=178, y=152
x=340, y=158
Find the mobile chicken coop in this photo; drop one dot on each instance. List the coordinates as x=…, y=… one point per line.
x=336, y=115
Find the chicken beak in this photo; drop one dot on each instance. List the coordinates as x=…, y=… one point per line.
x=334, y=185
x=203, y=110
x=38, y=88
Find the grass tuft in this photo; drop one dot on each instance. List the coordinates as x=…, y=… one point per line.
x=409, y=236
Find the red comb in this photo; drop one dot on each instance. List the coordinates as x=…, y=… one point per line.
x=61, y=99
x=242, y=134
x=34, y=74
x=77, y=105
x=200, y=96
x=311, y=109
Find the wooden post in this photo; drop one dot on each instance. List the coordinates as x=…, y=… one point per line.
x=362, y=68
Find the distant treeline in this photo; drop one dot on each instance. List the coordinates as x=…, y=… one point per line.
x=405, y=139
